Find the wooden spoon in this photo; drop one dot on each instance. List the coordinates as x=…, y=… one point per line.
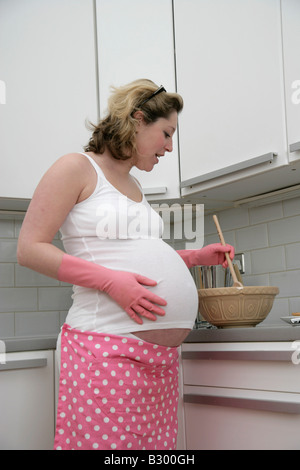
x=236, y=283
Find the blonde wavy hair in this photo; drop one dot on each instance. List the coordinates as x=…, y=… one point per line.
x=117, y=131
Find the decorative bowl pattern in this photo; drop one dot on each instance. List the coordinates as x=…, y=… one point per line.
x=232, y=307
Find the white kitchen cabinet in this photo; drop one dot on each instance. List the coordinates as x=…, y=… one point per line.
x=291, y=48
x=135, y=40
x=222, y=427
x=47, y=57
x=27, y=401
x=230, y=73
x=241, y=396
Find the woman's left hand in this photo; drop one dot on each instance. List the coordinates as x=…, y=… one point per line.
x=207, y=256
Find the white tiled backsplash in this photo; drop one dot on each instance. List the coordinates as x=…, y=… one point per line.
x=269, y=236
x=32, y=304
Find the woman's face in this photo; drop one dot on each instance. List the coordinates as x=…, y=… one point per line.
x=153, y=140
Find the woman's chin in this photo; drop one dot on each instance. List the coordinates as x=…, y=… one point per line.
x=149, y=167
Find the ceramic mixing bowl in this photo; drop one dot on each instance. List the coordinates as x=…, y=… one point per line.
x=228, y=307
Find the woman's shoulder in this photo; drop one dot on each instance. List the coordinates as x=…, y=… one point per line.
x=80, y=171
x=71, y=165
x=73, y=160
x=71, y=171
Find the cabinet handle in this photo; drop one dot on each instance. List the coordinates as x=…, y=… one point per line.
x=158, y=190
x=24, y=364
x=238, y=355
x=294, y=147
x=267, y=157
x=246, y=403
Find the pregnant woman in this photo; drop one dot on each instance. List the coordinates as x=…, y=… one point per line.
x=134, y=299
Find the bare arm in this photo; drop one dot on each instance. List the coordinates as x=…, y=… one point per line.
x=54, y=197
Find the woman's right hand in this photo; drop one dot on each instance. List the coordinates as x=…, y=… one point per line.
x=128, y=290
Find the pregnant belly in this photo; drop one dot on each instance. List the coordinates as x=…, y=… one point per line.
x=170, y=337
x=97, y=311
x=177, y=287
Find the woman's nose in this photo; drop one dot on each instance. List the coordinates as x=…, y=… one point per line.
x=169, y=145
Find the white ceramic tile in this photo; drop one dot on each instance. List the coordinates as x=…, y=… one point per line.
x=280, y=309
x=288, y=283
x=62, y=317
x=36, y=323
x=27, y=277
x=256, y=280
x=213, y=238
x=268, y=260
x=284, y=231
x=58, y=298
x=265, y=213
x=8, y=250
x=6, y=228
x=294, y=303
x=58, y=243
x=229, y=237
x=7, y=325
x=252, y=237
x=292, y=256
x=18, y=299
x=233, y=218
x=209, y=225
x=291, y=207
x=6, y=275
x=18, y=225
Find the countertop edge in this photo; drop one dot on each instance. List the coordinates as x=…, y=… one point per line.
x=232, y=335
x=32, y=343
x=201, y=335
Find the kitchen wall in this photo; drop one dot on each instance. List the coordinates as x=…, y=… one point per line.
x=30, y=303
x=33, y=304
x=270, y=238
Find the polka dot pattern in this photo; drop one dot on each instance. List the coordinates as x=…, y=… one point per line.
x=116, y=393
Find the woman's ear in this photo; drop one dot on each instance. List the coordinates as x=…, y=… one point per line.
x=139, y=116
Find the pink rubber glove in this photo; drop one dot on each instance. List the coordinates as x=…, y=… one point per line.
x=207, y=256
x=126, y=288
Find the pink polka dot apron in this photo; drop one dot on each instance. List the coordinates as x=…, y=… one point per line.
x=116, y=393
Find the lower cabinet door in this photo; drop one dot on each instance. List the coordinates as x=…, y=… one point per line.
x=233, y=419
x=27, y=401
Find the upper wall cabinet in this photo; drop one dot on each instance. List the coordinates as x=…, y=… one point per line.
x=291, y=50
x=230, y=73
x=135, y=40
x=47, y=58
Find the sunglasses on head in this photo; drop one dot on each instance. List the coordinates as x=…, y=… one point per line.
x=159, y=90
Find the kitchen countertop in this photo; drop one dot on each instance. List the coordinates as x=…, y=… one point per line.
x=29, y=343
x=200, y=335
x=255, y=334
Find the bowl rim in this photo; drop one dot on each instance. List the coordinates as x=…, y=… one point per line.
x=245, y=290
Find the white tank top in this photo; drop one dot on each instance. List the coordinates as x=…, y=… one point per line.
x=111, y=230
